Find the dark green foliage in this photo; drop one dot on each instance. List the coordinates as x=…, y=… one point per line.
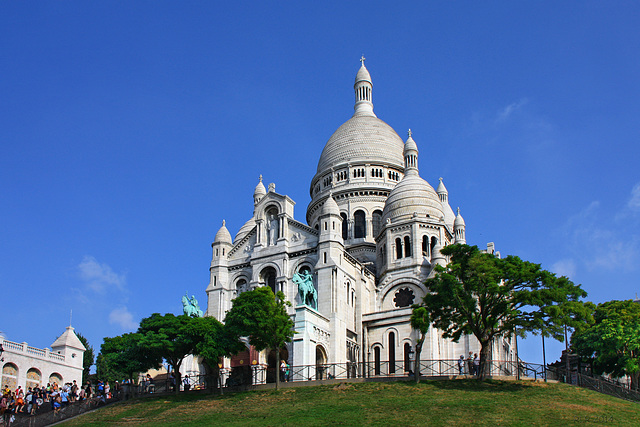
x=88, y=358
x=168, y=337
x=612, y=339
x=262, y=317
x=486, y=296
x=123, y=357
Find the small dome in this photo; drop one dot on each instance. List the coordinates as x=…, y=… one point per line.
x=410, y=144
x=363, y=74
x=223, y=235
x=412, y=195
x=459, y=222
x=441, y=188
x=330, y=207
x=245, y=229
x=260, y=190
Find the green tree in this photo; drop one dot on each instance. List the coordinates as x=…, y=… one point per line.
x=488, y=297
x=123, y=357
x=213, y=341
x=87, y=359
x=262, y=317
x=612, y=340
x=167, y=337
x=420, y=321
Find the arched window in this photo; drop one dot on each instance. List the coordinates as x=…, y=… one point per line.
x=359, y=225
x=392, y=353
x=268, y=276
x=398, y=248
x=425, y=246
x=407, y=358
x=376, y=360
x=434, y=242
x=345, y=226
x=407, y=246
x=376, y=222
x=241, y=286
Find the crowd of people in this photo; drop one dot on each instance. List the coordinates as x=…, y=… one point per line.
x=472, y=364
x=58, y=396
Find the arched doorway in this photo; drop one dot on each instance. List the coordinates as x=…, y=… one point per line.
x=34, y=378
x=273, y=363
x=321, y=361
x=55, y=378
x=10, y=376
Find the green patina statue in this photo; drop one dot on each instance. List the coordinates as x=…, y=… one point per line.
x=190, y=306
x=307, y=291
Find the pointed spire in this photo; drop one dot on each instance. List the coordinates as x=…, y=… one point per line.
x=442, y=191
x=363, y=90
x=259, y=192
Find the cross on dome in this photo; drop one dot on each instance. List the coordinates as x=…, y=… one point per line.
x=260, y=177
x=362, y=58
x=409, y=132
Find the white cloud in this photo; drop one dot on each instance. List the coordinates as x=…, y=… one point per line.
x=507, y=111
x=634, y=200
x=100, y=277
x=564, y=267
x=123, y=318
x=598, y=242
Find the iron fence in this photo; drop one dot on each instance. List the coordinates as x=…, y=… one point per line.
x=262, y=374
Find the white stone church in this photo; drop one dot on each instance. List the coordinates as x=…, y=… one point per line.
x=373, y=234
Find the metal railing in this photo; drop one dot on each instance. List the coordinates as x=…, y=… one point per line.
x=261, y=374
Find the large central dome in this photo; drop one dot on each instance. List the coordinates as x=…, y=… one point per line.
x=362, y=139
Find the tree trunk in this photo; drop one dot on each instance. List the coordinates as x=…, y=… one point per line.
x=417, y=362
x=485, y=359
x=634, y=380
x=278, y=361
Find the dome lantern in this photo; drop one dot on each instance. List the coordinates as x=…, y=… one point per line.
x=363, y=89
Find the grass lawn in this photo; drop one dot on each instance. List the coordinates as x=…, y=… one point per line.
x=433, y=403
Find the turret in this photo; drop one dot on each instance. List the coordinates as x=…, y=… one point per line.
x=69, y=345
x=259, y=192
x=459, y=229
x=363, y=89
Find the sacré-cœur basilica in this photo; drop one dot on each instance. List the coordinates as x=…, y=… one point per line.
x=373, y=234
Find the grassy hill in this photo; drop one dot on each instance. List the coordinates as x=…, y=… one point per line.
x=433, y=403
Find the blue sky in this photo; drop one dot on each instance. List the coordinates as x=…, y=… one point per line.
x=130, y=130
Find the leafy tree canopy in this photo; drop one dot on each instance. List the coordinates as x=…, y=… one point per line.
x=486, y=296
x=262, y=317
x=88, y=358
x=123, y=357
x=612, y=339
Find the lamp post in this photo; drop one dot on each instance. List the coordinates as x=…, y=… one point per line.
x=411, y=353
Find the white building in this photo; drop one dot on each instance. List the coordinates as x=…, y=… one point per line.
x=27, y=366
x=373, y=234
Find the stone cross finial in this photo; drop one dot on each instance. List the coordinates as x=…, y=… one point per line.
x=260, y=177
x=440, y=179
x=409, y=133
x=362, y=58
x=458, y=211
x=223, y=222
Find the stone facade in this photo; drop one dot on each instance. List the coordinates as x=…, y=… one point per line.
x=27, y=366
x=373, y=236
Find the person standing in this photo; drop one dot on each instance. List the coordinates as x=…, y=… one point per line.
x=186, y=383
x=461, y=365
x=476, y=364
